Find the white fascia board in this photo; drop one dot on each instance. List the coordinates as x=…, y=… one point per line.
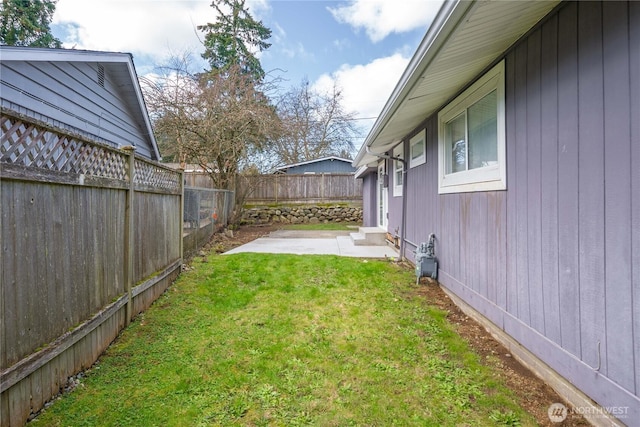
x=143, y=107
x=306, y=162
x=442, y=26
x=32, y=54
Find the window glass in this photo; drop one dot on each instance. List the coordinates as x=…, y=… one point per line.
x=483, y=132
x=472, y=137
x=417, y=150
x=456, y=135
x=398, y=168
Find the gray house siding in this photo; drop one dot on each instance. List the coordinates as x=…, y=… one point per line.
x=394, y=205
x=553, y=261
x=67, y=95
x=321, y=166
x=369, y=200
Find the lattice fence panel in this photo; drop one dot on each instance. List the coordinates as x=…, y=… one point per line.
x=150, y=175
x=30, y=145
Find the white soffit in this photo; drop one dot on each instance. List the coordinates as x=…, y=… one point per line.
x=481, y=35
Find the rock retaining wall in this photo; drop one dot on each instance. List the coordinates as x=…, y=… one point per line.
x=304, y=214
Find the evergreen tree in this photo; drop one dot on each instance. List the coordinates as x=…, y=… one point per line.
x=26, y=23
x=235, y=38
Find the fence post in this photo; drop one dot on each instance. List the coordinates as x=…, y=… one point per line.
x=276, y=188
x=181, y=225
x=129, y=232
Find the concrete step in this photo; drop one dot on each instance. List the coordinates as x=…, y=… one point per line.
x=369, y=236
x=358, y=239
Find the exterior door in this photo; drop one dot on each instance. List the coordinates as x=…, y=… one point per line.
x=383, y=193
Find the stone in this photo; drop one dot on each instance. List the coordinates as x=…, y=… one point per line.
x=302, y=214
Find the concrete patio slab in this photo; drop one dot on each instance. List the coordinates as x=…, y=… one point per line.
x=313, y=242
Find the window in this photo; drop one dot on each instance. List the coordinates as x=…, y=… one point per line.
x=418, y=149
x=471, y=138
x=398, y=171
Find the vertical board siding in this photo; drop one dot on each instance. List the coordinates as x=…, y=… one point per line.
x=634, y=111
x=549, y=178
x=421, y=186
x=369, y=201
x=591, y=178
x=568, y=250
x=617, y=202
x=511, y=291
x=517, y=188
x=498, y=207
x=534, y=166
x=556, y=256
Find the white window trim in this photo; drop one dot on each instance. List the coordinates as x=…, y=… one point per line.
x=420, y=137
x=490, y=178
x=399, y=153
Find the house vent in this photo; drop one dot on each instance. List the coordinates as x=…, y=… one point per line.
x=101, y=75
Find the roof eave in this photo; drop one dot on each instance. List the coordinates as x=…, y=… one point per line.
x=306, y=162
x=143, y=108
x=19, y=53
x=445, y=21
x=465, y=38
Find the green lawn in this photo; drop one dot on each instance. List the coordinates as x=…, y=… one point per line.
x=285, y=340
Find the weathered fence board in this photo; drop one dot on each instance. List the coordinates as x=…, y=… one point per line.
x=63, y=218
x=66, y=262
x=301, y=188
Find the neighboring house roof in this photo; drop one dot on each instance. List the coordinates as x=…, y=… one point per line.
x=464, y=39
x=60, y=87
x=285, y=168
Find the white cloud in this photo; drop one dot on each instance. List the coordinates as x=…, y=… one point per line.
x=365, y=88
x=379, y=18
x=153, y=28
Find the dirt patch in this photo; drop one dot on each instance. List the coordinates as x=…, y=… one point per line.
x=534, y=395
x=229, y=239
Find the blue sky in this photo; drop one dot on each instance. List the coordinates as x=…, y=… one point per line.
x=363, y=45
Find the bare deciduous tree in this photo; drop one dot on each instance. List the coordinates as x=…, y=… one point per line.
x=217, y=120
x=315, y=125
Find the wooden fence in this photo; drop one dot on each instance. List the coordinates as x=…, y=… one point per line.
x=91, y=236
x=206, y=211
x=197, y=179
x=308, y=188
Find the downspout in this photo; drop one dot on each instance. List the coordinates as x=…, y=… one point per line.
x=404, y=193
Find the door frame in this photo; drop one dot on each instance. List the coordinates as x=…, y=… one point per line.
x=382, y=197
